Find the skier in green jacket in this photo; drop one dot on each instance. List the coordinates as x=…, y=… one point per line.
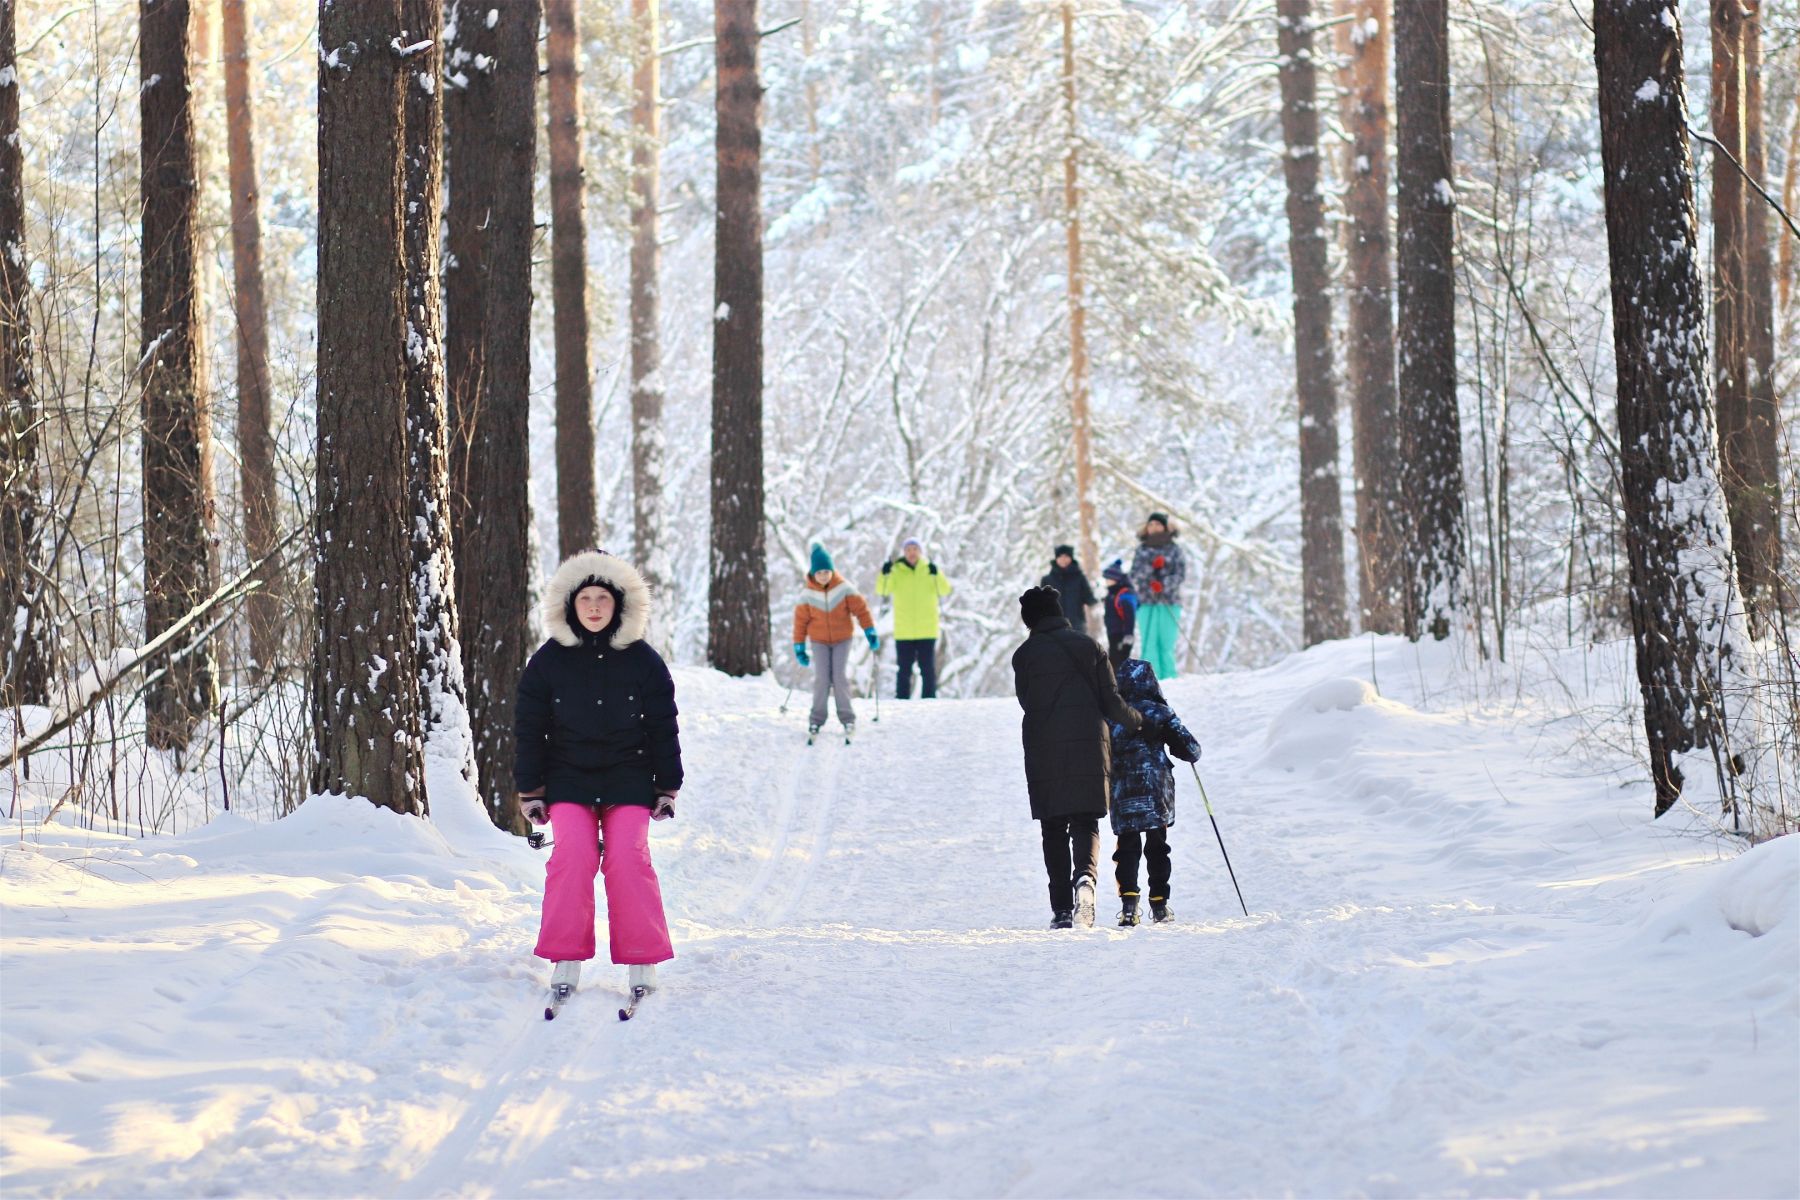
x=915, y=585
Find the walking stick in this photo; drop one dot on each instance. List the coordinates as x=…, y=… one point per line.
x=1215, y=824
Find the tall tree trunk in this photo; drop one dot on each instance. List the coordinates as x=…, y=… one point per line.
x=25, y=644
x=443, y=698
x=1081, y=426
x=1380, y=505
x=577, y=507
x=1321, y=502
x=490, y=106
x=365, y=702
x=646, y=343
x=1790, y=200
x=177, y=445
x=738, y=599
x=1730, y=346
x=256, y=441
x=1688, y=644
x=1759, y=556
x=1430, y=427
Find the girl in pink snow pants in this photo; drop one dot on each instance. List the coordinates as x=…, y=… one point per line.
x=598, y=756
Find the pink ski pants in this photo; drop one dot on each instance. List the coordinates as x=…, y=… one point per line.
x=639, y=932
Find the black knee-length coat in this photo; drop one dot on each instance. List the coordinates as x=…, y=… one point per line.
x=1065, y=685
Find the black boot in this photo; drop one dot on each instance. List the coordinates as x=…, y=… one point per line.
x=1128, y=910
x=1160, y=910
x=1062, y=918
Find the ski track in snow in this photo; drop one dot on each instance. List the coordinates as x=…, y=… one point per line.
x=1471, y=967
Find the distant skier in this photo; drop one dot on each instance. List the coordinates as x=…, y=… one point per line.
x=1121, y=613
x=916, y=585
x=828, y=613
x=597, y=754
x=1158, y=570
x=1143, y=790
x=1066, y=687
x=1072, y=588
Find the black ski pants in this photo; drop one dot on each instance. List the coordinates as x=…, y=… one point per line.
x=1071, y=846
x=922, y=651
x=1153, y=846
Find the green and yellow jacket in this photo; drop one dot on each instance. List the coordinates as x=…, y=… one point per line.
x=915, y=592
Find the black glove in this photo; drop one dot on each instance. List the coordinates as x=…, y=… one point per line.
x=887, y=568
x=931, y=568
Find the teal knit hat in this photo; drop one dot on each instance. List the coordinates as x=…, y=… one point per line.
x=821, y=561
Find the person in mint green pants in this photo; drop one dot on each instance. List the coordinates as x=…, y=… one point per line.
x=1158, y=570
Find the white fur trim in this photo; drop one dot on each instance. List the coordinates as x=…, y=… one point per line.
x=608, y=568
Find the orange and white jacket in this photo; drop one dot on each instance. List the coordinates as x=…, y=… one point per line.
x=830, y=613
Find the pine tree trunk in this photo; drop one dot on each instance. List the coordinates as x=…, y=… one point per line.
x=1676, y=535
x=646, y=343
x=1430, y=427
x=738, y=599
x=1380, y=506
x=442, y=695
x=1321, y=503
x=490, y=105
x=256, y=442
x=577, y=506
x=365, y=702
x=1759, y=553
x=177, y=445
x=24, y=636
x=1730, y=346
x=1080, y=424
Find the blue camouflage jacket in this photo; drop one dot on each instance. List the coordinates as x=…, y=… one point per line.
x=1143, y=780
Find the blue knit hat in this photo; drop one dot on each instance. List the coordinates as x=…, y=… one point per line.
x=821, y=561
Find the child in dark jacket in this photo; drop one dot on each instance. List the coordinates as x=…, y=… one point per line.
x=1121, y=613
x=1143, y=789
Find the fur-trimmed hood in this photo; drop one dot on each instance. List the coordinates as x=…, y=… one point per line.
x=634, y=603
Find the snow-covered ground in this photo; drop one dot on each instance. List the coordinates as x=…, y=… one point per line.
x=1472, y=966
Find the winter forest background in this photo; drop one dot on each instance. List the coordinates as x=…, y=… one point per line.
x=915, y=336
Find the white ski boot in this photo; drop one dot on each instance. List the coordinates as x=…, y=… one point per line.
x=564, y=979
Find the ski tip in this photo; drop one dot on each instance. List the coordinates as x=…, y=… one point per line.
x=624, y=1015
x=549, y=1014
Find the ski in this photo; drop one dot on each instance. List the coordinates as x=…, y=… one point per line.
x=630, y=1009
x=559, y=996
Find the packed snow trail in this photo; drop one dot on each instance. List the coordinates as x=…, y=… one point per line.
x=1471, y=967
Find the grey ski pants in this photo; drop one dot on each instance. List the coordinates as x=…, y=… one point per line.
x=831, y=676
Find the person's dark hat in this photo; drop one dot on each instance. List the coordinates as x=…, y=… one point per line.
x=1039, y=602
x=1158, y=516
x=1116, y=570
x=1062, y=550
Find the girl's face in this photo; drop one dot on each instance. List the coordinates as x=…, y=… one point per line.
x=1155, y=527
x=823, y=577
x=594, y=606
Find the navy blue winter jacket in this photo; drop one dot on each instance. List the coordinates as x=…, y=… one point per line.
x=1143, y=780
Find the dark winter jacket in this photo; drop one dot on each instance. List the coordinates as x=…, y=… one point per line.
x=1159, y=568
x=1066, y=687
x=1073, y=587
x=596, y=717
x=1121, y=607
x=1143, y=782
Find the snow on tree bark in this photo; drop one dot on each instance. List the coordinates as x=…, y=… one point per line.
x=577, y=511
x=738, y=596
x=365, y=701
x=256, y=441
x=177, y=443
x=490, y=103
x=442, y=694
x=1321, y=501
x=1689, y=643
x=25, y=647
x=647, y=437
x=1430, y=426
x=1380, y=506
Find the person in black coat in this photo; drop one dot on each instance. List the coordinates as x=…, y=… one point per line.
x=597, y=755
x=1066, y=687
x=1072, y=588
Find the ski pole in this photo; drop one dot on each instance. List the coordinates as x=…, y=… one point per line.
x=875, y=681
x=1215, y=824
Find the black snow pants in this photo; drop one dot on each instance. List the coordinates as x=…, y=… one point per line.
x=922, y=651
x=1153, y=846
x=1071, y=845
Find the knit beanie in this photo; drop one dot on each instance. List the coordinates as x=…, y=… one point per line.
x=912, y=541
x=1115, y=570
x=1158, y=516
x=1062, y=550
x=821, y=561
x=1039, y=602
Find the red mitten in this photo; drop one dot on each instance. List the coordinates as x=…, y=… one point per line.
x=1158, y=562
x=1156, y=585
